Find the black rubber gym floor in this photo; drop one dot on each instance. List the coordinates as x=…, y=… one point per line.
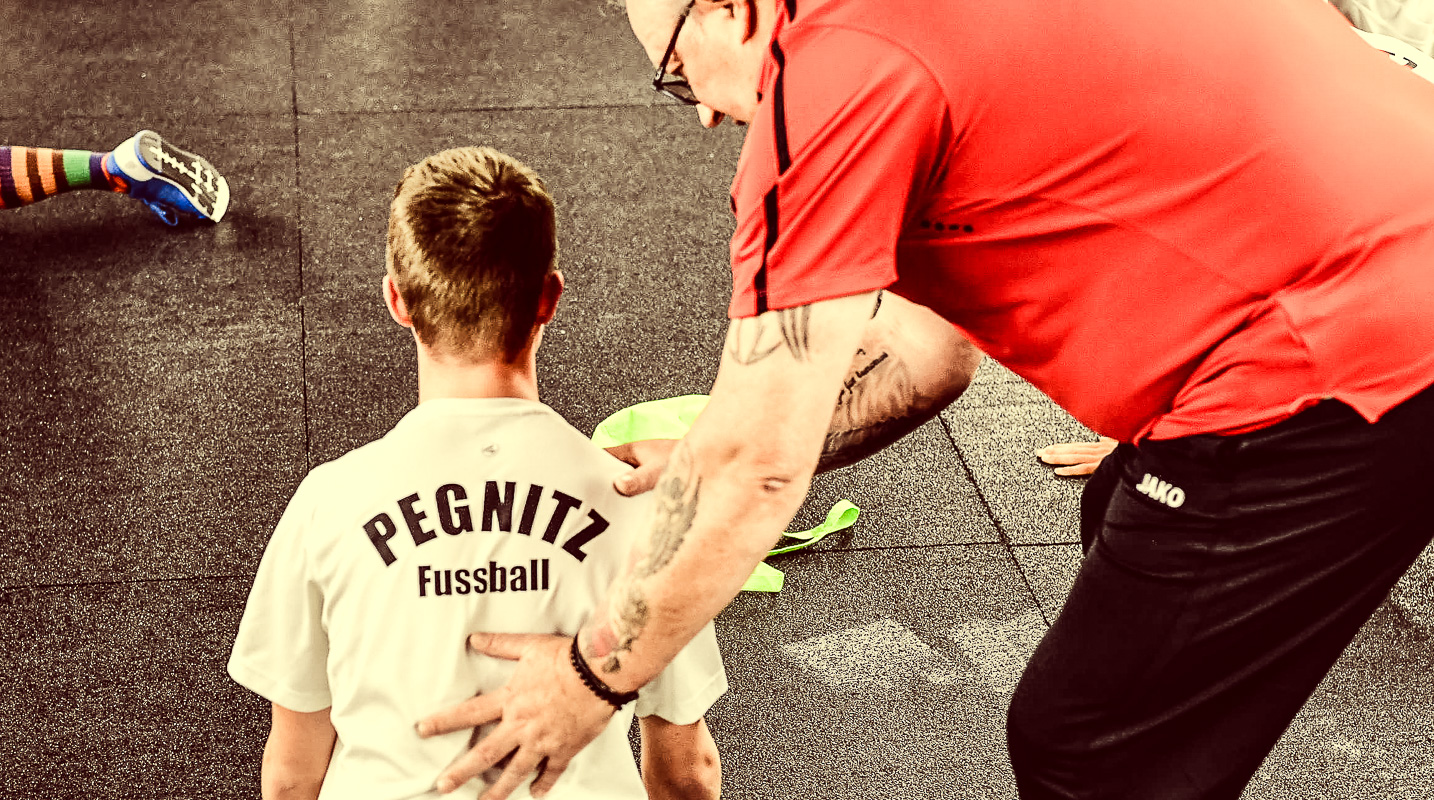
x=165, y=391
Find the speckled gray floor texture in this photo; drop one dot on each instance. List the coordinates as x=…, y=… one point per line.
x=165, y=391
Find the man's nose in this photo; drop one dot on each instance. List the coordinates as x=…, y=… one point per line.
x=709, y=118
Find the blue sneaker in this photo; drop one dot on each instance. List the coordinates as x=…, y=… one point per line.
x=171, y=181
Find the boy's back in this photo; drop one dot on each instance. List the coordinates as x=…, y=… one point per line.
x=485, y=514
x=482, y=510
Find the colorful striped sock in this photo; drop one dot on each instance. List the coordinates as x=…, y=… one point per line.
x=31, y=174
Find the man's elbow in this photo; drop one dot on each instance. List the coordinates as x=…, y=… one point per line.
x=770, y=472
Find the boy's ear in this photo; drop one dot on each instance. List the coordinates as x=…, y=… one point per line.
x=394, y=300
x=548, y=300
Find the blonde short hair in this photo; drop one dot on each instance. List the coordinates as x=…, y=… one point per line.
x=471, y=240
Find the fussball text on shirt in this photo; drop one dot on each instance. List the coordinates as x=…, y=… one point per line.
x=454, y=516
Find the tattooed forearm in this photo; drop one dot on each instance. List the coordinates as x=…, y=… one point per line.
x=625, y=621
x=752, y=339
x=677, y=496
x=844, y=448
x=626, y=616
x=878, y=404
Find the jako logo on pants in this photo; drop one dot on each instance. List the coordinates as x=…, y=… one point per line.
x=1161, y=491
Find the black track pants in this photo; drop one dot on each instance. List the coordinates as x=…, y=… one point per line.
x=1223, y=577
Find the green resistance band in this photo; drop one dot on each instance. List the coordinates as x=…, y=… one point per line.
x=669, y=419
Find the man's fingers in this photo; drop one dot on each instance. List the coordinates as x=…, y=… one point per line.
x=649, y=457
x=1070, y=456
x=639, y=480
x=623, y=452
x=1067, y=450
x=523, y=764
x=508, y=646
x=470, y=713
x=1077, y=458
x=494, y=747
x=548, y=773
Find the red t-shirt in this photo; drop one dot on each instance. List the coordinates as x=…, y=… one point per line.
x=1194, y=216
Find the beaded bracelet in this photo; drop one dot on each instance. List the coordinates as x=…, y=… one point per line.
x=593, y=682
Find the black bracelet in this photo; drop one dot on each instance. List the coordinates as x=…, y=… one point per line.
x=593, y=682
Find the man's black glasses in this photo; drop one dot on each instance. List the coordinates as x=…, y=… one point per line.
x=672, y=85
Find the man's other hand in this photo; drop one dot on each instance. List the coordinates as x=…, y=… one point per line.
x=1079, y=458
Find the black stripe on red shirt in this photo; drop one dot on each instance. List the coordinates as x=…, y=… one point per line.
x=784, y=161
x=759, y=281
x=779, y=110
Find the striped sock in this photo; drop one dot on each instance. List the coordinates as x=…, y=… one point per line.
x=31, y=174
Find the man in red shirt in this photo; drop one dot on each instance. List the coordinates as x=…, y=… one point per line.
x=1212, y=242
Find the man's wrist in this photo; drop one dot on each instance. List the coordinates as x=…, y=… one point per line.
x=595, y=684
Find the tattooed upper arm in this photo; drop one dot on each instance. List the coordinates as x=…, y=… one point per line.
x=752, y=339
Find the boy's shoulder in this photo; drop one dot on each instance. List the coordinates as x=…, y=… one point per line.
x=498, y=436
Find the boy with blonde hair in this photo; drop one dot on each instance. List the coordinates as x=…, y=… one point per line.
x=481, y=510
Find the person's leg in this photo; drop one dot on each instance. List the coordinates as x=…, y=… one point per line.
x=31, y=174
x=1203, y=619
x=172, y=182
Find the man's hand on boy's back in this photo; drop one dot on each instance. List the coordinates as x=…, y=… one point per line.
x=525, y=707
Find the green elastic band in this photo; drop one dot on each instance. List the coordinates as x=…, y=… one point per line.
x=655, y=419
x=766, y=578
x=670, y=418
x=842, y=516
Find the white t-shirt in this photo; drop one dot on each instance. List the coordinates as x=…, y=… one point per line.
x=1409, y=21
x=1401, y=53
x=470, y=515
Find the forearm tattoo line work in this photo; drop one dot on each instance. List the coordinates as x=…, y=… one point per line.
x=877, y=403
x=677, y=498
x=627, y=614
x=753, y=339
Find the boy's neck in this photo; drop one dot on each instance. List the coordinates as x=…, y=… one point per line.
x=441, y=376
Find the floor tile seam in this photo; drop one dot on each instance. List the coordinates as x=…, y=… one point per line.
x=995, y=521
x=293, y=109
x=1045, y=544
x=886, y=548
x=151, y=118
x=299, y=213
x=123, y=582
x=476, y=109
